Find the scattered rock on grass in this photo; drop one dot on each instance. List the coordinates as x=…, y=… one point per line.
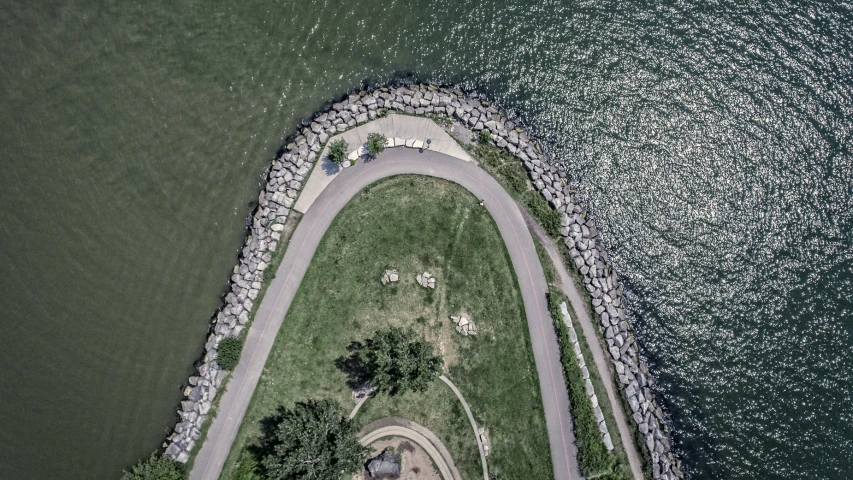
x=426, y=280
x=390, y=276
x=464, y=325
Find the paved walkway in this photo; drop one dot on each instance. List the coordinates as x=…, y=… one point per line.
x=358, y=405
x=402, y=427
x=297, y=257
x=473, y=424
x=567, y=285
x=467, y=411
x=402, y=131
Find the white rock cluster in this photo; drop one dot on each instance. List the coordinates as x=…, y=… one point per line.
x=464, y=325
x=576, y=348
x=483, y=432
x=426, y=280
x=390, y=276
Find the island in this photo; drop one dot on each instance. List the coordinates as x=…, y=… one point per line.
x=420, y=293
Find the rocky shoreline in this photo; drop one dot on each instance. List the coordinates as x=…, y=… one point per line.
x=285, y=179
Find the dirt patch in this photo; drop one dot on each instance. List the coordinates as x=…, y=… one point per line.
x=415, y=463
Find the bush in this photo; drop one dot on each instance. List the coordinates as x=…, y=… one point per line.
x=230, y=349
x=247, y=467
x=156, y=467
x=383, y=112
x=485, y=136
x=338, y=151
x=311, y=441
x=376, y=143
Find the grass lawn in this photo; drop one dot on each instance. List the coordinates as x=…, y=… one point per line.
x=414, y=224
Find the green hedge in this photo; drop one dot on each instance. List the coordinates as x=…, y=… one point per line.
x=593, y=457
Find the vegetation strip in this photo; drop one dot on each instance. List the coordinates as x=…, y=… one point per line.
x=593, y=452
x=555, y=210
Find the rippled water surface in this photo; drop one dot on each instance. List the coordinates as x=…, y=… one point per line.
x=711, y=139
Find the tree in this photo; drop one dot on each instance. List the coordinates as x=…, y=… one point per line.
x=155, y=467
x=338, y=151
x=313, y=441
x=230, y=349
x=399, y=361
x=376, y=143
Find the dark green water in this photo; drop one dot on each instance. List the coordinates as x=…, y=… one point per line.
x=712, y=140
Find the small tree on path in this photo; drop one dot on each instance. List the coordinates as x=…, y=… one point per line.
x=399, y=361
x=313, y=441
x=338, y=151
x=376, y=143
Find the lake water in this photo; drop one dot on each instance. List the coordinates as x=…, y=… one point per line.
x=711, y=139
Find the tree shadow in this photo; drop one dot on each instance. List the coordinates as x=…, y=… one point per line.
x=354, y=366
x=329, y=166
x=267, y=441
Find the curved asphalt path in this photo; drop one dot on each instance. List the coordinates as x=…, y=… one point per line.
x=429, y=443
x=270, y=315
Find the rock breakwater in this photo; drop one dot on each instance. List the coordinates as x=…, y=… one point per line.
x=289, y=171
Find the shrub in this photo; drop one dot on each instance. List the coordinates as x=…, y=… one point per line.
x=247, y=467
x=156, y=467
x=383, y=112
x=230, y=349
x=485, y=136
x=313, y=440
x=338, y=151
x=376, y=143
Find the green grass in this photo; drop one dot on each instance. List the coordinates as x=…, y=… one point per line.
x=547, y=265
x=442, y=121
x=509, y=172
x=414, y=224
x=593, y=457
